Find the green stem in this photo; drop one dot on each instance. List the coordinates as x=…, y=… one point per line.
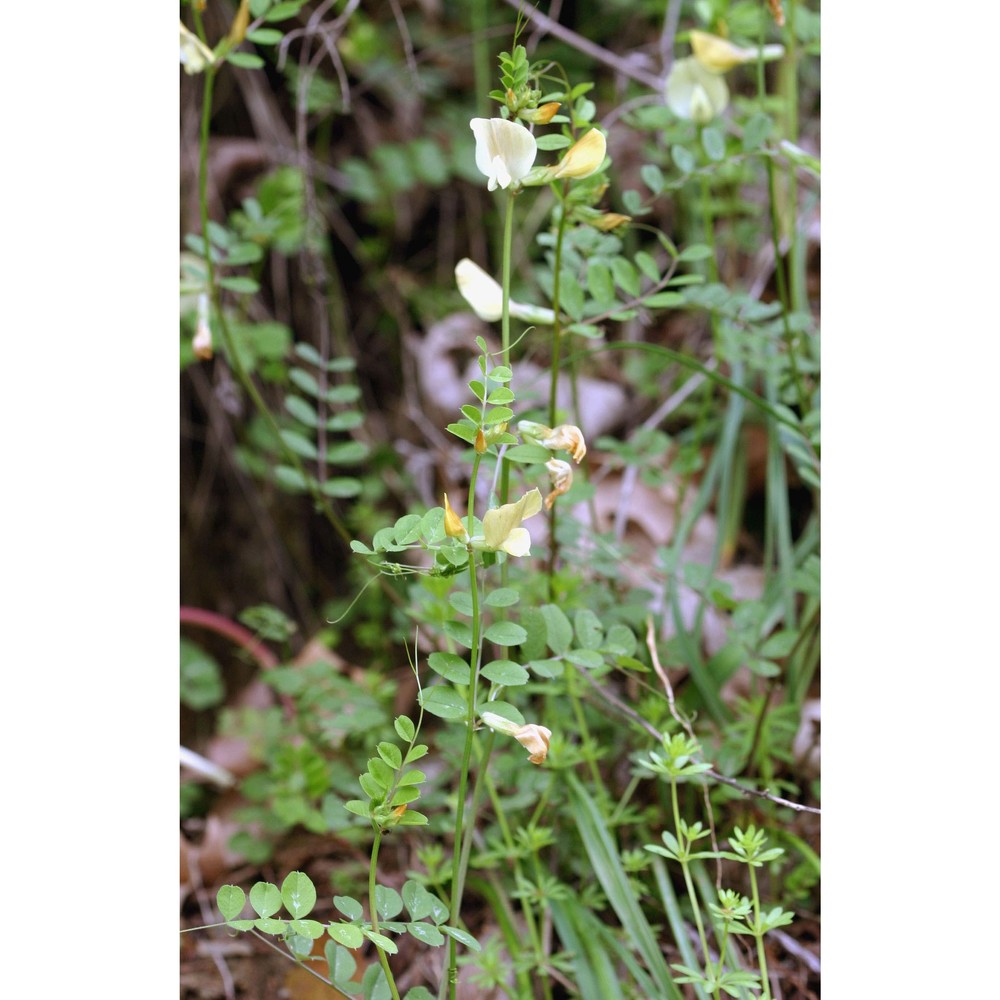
x=540, y=960
x=475, y=660
x=683, y=841
x=508, y=240
x=382, y=957
x=761, y=955
x=581, y=723
x=722, y=957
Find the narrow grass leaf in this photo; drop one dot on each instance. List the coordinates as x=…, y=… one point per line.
x=606, y=864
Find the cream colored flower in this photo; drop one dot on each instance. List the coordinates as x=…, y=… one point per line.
x=505, y=151
x=561, y=478
x=202, y=342
x=584, y=157
x=536, y=739
x=502, y=531
x=695, y=93
x=196, y=56
x=485, y=296
x=453, y=526
x=531, y=736
x=718, y=54
x=480, y=290
x=566, y=437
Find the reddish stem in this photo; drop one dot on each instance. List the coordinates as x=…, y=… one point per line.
x=243, y=638
x=231, y=630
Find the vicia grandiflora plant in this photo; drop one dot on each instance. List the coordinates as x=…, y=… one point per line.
x=502, y=531
x=695, y=88
x=505, y=155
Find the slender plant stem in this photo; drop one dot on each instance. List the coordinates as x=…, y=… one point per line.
x=302, y=965
x=382, y=957
x=508, y=240
x=761, y=954
x=475, y=658
x=683, y=841
x=221, y=625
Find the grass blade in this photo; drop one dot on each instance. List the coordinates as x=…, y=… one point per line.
x=604, y=858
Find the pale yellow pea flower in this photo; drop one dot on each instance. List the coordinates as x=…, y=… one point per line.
x=531, y=736
x=502, y=531
x=719, y=54
x=561, y=478
x=566, y=437
x=536, y=739
x=485, y=295
x=583, y=158
x=505, y=151
x=694, y=92
x=196, y=56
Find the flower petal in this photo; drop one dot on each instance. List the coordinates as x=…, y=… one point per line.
x=718, y=54
x=561, y=478
x=695, y=93
x=536, y=739
x=196, y=56
x=584, y=157
x=479, y=290
x=567, y=437
x=500, y=522
x=517, y=543
x=505, y=151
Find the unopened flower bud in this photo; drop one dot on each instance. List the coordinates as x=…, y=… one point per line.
x=540, y=116
x=610, y=220
x=532, y=431
x=453, y=526
x=480, y=444
x=494, y=433
x=238, y=29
